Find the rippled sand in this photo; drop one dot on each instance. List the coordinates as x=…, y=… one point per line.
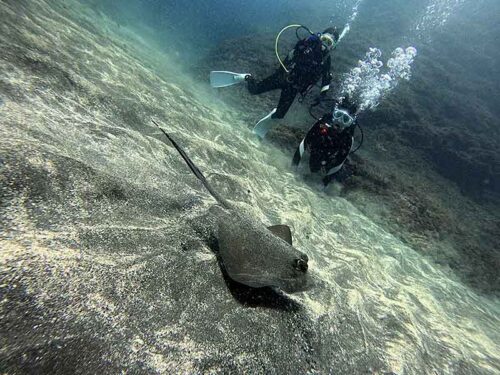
x=99, y=266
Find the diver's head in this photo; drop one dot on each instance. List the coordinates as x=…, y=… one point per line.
x=329, y=38
x=342, y=119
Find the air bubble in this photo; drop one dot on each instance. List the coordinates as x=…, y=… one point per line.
x=368, y=82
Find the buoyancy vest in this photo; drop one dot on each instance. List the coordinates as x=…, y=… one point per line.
x=307, y=63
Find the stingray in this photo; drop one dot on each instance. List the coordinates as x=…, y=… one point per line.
x=249, y=252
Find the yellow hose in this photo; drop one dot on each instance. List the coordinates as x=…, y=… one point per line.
x=276, y=45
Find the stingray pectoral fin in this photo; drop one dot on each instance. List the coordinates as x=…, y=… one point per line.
x=282, y=231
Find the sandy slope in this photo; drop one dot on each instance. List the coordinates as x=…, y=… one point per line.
x=100, y=271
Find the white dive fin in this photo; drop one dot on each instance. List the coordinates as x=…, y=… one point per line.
x=265, y=124
x=223, y=79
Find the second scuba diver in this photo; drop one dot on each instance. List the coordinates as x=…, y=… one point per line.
x=329, y=142
x=305, y=65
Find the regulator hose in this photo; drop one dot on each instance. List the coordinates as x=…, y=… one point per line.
x=278, y=38
x=361, y=141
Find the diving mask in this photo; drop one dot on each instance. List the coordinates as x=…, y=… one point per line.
x=327, y=40
x=343, y=117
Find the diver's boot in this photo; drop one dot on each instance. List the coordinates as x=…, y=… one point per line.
x=266, y=124
x=224, y=79
x=251, y=84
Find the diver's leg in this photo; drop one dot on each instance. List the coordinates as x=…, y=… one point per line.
x=341, y=175
x=327, y=179
x=267, y=84
x=288, y=94
x=296, y=158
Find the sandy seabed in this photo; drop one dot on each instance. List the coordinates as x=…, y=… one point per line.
x=100, y=271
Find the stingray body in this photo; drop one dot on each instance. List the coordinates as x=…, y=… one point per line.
x=251, y=253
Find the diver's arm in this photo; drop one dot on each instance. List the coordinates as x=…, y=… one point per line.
x=345, y=148
x=339, y=161
x=290, y=58
x=327, y=76
x=340, y=158
x=288, y=62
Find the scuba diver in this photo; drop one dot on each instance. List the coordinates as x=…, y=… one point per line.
x=329, y=142
x=307, y=63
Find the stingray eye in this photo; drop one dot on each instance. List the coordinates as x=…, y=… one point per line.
x=301, y=263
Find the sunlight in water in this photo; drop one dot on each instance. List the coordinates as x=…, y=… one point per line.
x=436, y=15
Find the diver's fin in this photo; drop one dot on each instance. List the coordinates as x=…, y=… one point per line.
x=265, y=124
x=282, y=231
x=223, y=78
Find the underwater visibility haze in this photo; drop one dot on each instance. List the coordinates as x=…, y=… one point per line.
x=146, y=228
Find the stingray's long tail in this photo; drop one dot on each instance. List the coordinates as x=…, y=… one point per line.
x=194, y=169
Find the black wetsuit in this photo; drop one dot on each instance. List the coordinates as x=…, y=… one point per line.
x=307, y=62
x=328, y=147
